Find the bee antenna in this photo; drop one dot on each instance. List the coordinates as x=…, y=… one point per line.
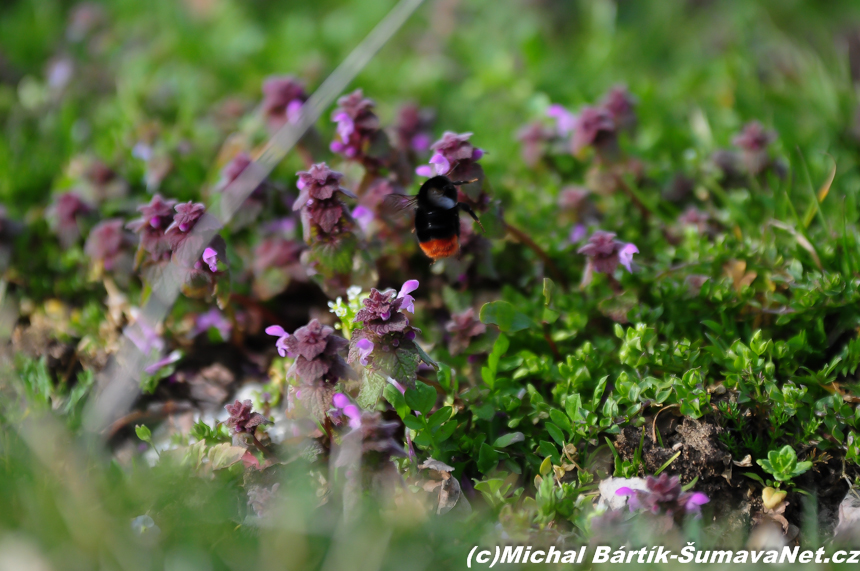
x=459, y=182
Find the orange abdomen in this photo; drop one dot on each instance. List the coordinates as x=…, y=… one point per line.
x=441, y=247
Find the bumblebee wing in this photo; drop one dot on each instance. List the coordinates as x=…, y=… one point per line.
x=398, y=204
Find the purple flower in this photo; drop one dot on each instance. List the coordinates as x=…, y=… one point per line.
x=173, y=357
x=625, y=255
x=664, y=495
x=365, y=348
x=565, y=121
x=216, y=319
x=210, y=256
x=187, y=215
x=150, y=227
x=413, y=128
x=397, y=385
x=106, y=241
x=577, y=234
x=754, y=141
x=357, y=125
x=319, y=183
x=283, y=97
x=281, y=343
x=621, y=107
x=242, y=419
x=408, y=301
x=594, y=125
x=450, y=150
x=352, y=412
x=364, y=217
x=316, y=349
x=572, y=197
x=533, y=136
x=604, y=252
x=381, y=312
x=64, y=213
x=464, y=326
x=144, y=336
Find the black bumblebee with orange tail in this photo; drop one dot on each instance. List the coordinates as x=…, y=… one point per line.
x=437, y=215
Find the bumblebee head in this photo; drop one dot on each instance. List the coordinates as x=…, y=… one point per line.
x=439, y=192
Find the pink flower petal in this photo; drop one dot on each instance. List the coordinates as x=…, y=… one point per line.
x=425, y=171
x=340, y=400
x=277, y=331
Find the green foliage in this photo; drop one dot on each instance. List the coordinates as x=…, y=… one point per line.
x=782, y=464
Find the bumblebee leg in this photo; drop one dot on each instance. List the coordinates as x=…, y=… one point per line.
x=468, y=210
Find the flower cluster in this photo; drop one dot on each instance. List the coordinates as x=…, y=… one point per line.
x=754, y=141
x=413, y=128
x=358, y=134
x=64, y=214
x=107, y=243
x=533, y=136
x=322, y=210
x=597, y=126
x=462, y=327
x=455, y=157
x=604, y=252
x=154, y=220
x=283, y=97
x=664, y=495
x=385, y=342
x=242, y=419
x=316, y=350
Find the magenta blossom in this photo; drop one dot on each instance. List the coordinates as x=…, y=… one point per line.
x=344, y=406
x=281, y=343
x=604, y=252
x=397, y=385
x=216, y=319
x=106, y=241
x=664, y=495
x=577, y=234
x=364, y=217
x=242, y=419
x=365, y=348
x=621, y=106
x=408, y=302
x=171, y=358
x=283, y=97
x=565, y=121
x=593, y=126
x=450, y=150
x=210, y=256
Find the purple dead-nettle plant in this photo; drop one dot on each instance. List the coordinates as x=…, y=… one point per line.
x=754, y=141
x=283, y=97
x=63, y=214
x=335, y=257
x=359, y=137
x=186, y=217
x=256, y=201
x=621, y=107
x=595, y=128
x=463, y=327
x=345, y=411
x=108, y=244
x=413, y=128
x=664, y=496
x=213, y=319
x=455, y=157
x=277, y=263
x=317, y=365
x=383, y=341
x=534, y=137
x=155, y=218
x=565, y=121
x=604, y=252
x=242, y=419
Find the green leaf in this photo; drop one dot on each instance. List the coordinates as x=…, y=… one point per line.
x=372, y=385
x=413, y=422
x=439, y=417
x=488, y=458
x=572, y=406
x=225, y=455
x=505, y=316
x=401, y=364
x=143, y=433
x=422, y=398
x=396, y=399
x=507, y=439
x=561, y=420
x=447, y=429
x=555, y=433
x=425, y=357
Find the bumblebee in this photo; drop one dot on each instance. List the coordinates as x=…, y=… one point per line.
x=437, y=215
